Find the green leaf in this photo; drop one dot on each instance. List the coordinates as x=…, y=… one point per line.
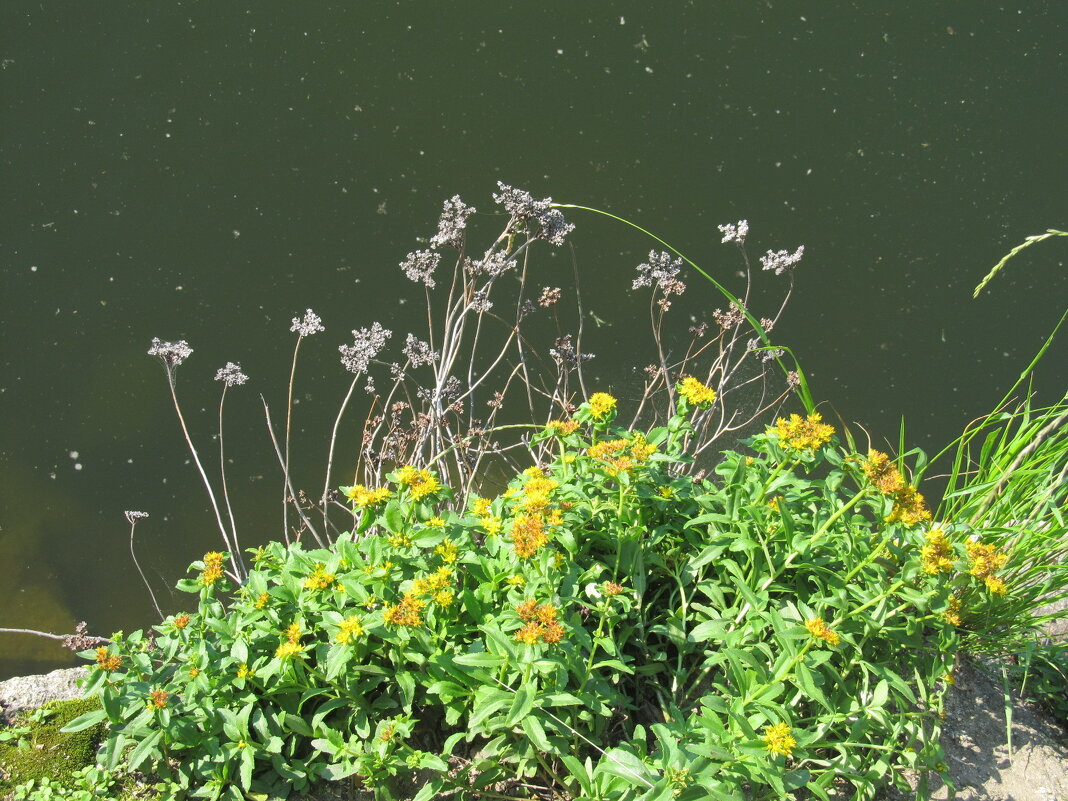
x=882, y=691
x=297, y=725
x=805, y=680
x=144, y=749
x=393, y=516
x=536, y=733
x=480, y=660
x=85, y=721
x=522, y=704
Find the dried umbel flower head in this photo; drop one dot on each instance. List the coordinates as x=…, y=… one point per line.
x=550, y=296
x=418, y=351
x=735, y=233
x=661, y=272
x=172, y=353
x=524, y=208
x=420, y=265
x=453, y=224
x=367, y=344
x=780, y=261
x=133, y=517
x=231, y=375
x=308, y=325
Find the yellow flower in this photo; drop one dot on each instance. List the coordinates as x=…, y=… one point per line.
x=995, y=585
x=212, y=568
x=909, y=508
x=779, y=740
x=952, y=613
x=350, y=627
x=984, y=559
x=420, y=482
x=821, y=631
x=243, y=672
x=801, y=434
x=319, y=579
x=435, y=522
x=561, y=428
x=362, y=496
x=194, y=671
x=666, y=492
x=528, y=534
x=937, y=555
x=407, y=613
x=883, y=473
x=448, y=551
x=107, y=661
x=181, y=621
x=438, y=580
x=517, y=581
x=601, y=404
x=288, y=649
x=261, y=600
x=159, y=698
x=480, y=506
x=611, y=588
x=493, y=525
x=444, y=598
x=293, y=632
x=399, y=540
x=696, y=393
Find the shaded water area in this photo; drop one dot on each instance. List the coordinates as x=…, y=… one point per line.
x=207, y=171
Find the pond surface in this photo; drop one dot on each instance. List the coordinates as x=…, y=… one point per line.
x=206, y=171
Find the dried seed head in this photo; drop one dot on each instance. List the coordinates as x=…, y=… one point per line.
x=231, y=375
x=309, y=325
x=172, y=353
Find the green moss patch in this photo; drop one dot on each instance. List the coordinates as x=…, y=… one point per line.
x=44, y=752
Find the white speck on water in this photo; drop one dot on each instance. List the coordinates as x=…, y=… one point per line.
x=77, y=466
x=559, y=51
x=33, y=268
x=74, y=454
x=622, y=21
x=649, y=70
x=235, y=233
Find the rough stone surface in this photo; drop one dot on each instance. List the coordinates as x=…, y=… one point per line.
x=30, y=692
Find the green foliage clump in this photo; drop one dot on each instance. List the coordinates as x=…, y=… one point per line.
x=607, y=628
x=35, y=748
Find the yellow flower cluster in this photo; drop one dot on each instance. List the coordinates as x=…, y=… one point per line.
x=952, y=614
x=435, y=522
x=261, y=600
x=362, y=496
x=181, y=621
x=909, y=508
x=448, y=551
x=801, y=434
x=291, y=645
x=399, y=539
x=409, y=612
x=561, y=428
x=319, y=579
x=611, y=588
x=212, y=568
x=601, y=404
x=622, y=454
x=159, y=698
x=436, y=581
x=540, y=622
x=779, y=740
x=536, y=492
x=985, y=559
x=821, y=631
x=107, y=661
x=883, y=473
x=348, y=628
x=244, y=672
x=937, y=553
x=528, y=534
x=696, y=393
x=419, y=482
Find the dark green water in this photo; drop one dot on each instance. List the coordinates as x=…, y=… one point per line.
x=206, y=171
